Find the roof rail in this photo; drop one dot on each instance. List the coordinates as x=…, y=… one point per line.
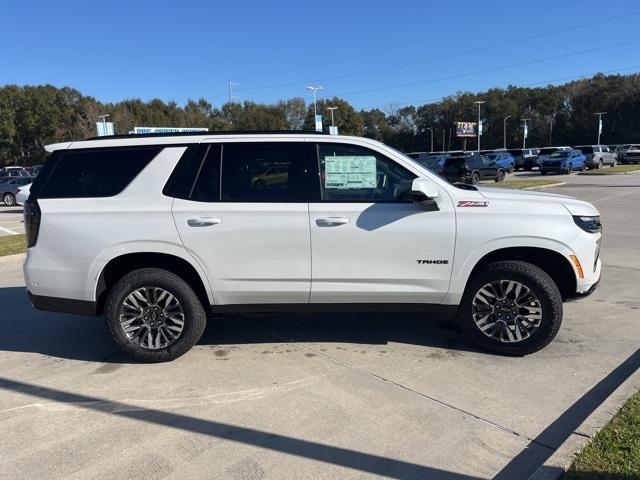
x=216, y=132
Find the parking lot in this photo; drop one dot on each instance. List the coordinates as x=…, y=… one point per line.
x=11, y=222
x=320, y=396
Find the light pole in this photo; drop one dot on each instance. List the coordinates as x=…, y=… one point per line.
x=504, y=130
x=232, y=86
x=600, y=124
x=479, y=102
x=332, y=109
x=315, y=89
x=431, y=130
x=524, y=137
x=103, y=117
x=553, y=117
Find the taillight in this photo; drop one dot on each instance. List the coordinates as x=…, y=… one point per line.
x=31, y=221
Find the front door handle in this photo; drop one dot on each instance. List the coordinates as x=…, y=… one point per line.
x=203, y=221
x=331, y=221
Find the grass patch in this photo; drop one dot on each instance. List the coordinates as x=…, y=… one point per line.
x=615, y=450
x=534, y=182
x=611, y=170
x=10, y=244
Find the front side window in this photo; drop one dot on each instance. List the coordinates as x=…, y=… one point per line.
x=349, y=173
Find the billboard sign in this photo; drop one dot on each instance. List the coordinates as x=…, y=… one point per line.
x=104, y=128
x=466, y=129
x=141, y=130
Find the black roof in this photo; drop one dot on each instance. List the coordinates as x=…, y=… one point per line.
x=217, y=132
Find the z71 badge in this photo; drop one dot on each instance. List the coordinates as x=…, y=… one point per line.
x=472, y=203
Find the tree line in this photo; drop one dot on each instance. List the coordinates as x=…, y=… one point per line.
x=33, y=116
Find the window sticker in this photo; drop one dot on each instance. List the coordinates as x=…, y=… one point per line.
x=353, y=172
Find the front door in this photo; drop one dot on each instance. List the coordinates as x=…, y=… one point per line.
x=370, y=243
x=246, y=221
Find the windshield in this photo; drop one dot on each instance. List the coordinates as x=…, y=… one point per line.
x=560, y=154
x=547, y=151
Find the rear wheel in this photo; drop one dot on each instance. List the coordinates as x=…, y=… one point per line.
x=615, y=162
x=154, y=316
x=511, y=308
x=511, y=169
x=9, y=199
x=500, y=176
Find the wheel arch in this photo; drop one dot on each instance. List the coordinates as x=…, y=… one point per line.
x=556, y=265
x=120, y=265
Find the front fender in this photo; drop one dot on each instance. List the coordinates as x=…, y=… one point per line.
x=463, y=266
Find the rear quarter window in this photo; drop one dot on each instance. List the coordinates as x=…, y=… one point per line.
x=95, y=172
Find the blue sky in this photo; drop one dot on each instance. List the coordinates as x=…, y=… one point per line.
x=372, y=53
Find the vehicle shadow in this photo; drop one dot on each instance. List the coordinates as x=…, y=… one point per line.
x=24, y=329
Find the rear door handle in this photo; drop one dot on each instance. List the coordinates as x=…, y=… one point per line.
x=331, y=221
x=203, y=221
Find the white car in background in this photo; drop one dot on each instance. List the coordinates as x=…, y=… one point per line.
x=23, y=194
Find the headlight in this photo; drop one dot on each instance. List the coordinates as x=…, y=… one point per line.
x=588, y=224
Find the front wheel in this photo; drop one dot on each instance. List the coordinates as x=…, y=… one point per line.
x=511, y=169
x=500, y=176
x=154, y=316
x=569, y=169
x=511, y=308
x=475, y=178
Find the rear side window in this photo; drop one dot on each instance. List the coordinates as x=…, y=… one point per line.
x=96, y=172
x=252, y=172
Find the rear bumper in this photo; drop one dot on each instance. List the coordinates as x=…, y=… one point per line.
x=62, y=305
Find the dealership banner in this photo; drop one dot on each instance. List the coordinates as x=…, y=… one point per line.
x=466, y=129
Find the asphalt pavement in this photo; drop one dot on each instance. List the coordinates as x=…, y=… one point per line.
x=341, y=396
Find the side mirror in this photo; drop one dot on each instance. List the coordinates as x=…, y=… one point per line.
x=424, y=193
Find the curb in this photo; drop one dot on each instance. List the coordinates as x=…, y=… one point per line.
x=548, y=185
x=557, y=464
x=633, y=172
x=15, y=258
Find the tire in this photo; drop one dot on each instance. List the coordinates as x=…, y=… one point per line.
x=615, y=163
x=510, y=169
x=544, y=291
x=193, y=315
x=499, y=176
x=542, y=172
x=475, y=178
x=583, y=167
x=599, y=165
x=9, y=199
x=569, y=169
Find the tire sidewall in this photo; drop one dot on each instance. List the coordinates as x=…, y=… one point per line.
x=195, y=316
x=539, y=283
x=11, y=198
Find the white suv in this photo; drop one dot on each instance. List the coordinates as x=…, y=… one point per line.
x=157, y=231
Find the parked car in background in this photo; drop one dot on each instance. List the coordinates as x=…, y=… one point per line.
x=23, y=193
x=433, y=161
x=525, y=158
x=9, y=189
x=563, y=161
x=504, y=160
x=545, y=152
x=598, y=155
x=33, y=170
x=472, y=169
x=13, y=172
x=630, y=154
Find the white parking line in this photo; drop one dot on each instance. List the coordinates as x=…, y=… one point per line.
x=7, y=231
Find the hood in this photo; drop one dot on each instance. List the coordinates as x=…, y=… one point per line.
x=573, y=205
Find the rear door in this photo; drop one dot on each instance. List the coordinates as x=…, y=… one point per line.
x=246, y=221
